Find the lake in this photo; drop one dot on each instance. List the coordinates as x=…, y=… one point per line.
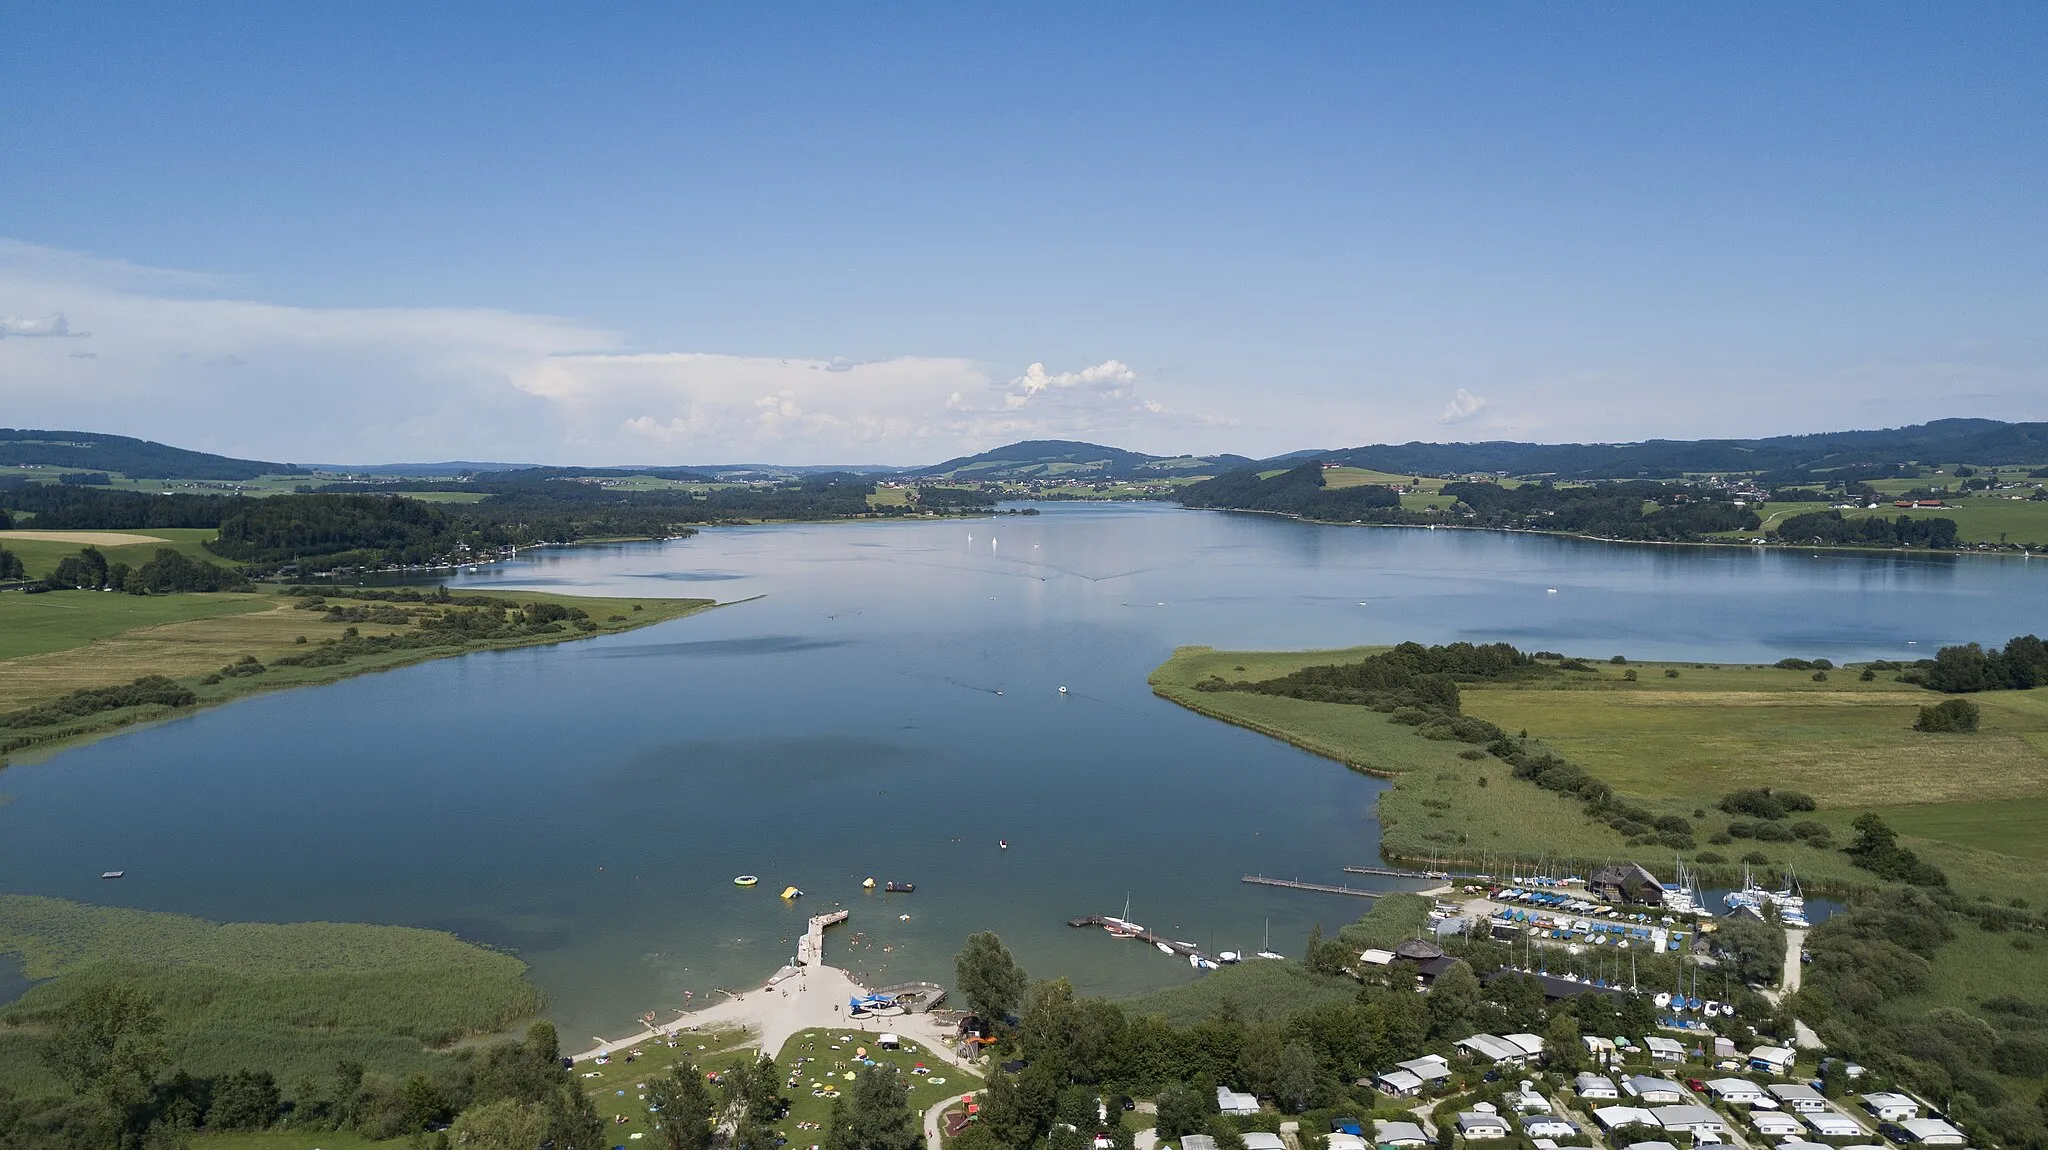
x=888, y=704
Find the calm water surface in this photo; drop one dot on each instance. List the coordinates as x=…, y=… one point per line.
x=889, y=706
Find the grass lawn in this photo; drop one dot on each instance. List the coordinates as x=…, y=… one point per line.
x=1981, y=518
x=619, y=1089
x=33, y=624
x=41, y=556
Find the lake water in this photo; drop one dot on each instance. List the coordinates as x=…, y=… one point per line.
x=889, y=706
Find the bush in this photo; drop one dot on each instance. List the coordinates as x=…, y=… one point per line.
x=1710, y=857
x=1793, y=665
x=1948, y=716
x=1671, y=672
x=1820, y=676
x=1773, y=833
x=1756, y=858
x=1618, y=659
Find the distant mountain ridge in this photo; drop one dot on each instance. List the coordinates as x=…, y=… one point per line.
x=1983, y=441
x=1986, y=441
x=136, y=458
x=1072, y=459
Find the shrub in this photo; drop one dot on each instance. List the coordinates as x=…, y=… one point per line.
x=1629, y=675
x=1820, y=676
x=1948, y=716
x=1793, y=665
x=1671, y=672
x=1618, y=659
x=1756, y=858
x=1772, y=833
x=1710, y=857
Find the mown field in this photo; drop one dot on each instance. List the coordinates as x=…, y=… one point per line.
x=293, y=998
x=1971, y=803
x=41, y=551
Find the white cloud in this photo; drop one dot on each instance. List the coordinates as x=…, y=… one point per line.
x=53, y=325
x=178, y=362
x=1463, y=407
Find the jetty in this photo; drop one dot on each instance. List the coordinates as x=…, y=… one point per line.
x=1396, y=872
x=1183, y=949
x=1320, y=888
x=810, y=950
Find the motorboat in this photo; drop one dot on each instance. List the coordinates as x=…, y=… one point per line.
x=900, y=887
x=1163, y=948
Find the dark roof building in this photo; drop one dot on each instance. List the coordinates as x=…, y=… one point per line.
x=1628, y=883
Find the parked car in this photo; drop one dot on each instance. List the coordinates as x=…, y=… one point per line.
x=1695, y=1085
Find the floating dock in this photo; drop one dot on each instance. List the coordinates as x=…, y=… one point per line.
x=1320, y=888
x=1183, y=949
x=810, y=950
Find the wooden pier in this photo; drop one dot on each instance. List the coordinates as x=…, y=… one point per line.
x=1396, y=872
x=1320, y=888
x=1183, y=949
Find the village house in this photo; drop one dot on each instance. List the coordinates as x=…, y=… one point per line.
x=1481, y=1124
x=1229, y=1101
x=1626, y=883
x=1548, y=1126
x=1737, y=1091
x=1832, y=1123
x=1693, y=1120
x=1653, y=1090
x=1890, y=1106
x=1771, y=1059
x=1798, y=1096
x=1664, y=1049
x=1932, y=1132
x=1489, y=1048
x=1392, y=1133
x=1616, y=1117
x=1595, y=1087
x=1776, y=1124
x=1415, y=1075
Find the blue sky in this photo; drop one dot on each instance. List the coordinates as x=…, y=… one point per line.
x=815, y=234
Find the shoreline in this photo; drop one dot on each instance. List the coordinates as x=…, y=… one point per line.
x=32, y=748
x=2007, y=552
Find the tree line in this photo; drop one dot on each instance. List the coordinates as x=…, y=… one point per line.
x=1829, y=528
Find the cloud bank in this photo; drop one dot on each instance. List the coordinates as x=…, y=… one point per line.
x=174, y=360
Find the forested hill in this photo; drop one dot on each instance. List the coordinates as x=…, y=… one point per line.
x=1986, y=441
x=136, y=458
x=323, y=531
x=1634, y=510
x=1069, y=459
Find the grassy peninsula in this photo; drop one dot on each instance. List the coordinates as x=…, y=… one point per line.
x=60, y=650
x=1674, y=739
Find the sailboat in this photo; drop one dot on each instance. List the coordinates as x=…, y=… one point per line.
x=1268, y=952
x=1123, y=927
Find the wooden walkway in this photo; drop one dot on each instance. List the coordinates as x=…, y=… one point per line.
x=1320, y=888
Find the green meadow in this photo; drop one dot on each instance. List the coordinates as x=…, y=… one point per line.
x=41, y=555
x=1971, y=803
